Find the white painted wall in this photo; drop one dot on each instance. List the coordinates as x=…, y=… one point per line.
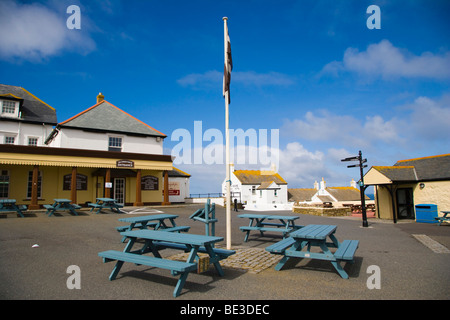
x=22, y=131
x=79, y=139
x=182, y=184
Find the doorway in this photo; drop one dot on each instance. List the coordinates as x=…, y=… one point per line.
x=119, y=190
x=405, y=203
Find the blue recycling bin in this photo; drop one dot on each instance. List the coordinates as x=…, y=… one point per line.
x=426, y=213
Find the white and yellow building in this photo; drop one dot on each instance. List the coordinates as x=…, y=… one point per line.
x=100, y=152
x=399, y=188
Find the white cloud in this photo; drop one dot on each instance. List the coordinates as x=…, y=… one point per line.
x=325, y=126
x=35, y=32
x=429, y=119
x=389, y=62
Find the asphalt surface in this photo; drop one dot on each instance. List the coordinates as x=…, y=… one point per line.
x=408, y=269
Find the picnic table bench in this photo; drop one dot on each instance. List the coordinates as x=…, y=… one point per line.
x=315, y=236
x=9, y=205
x=61, y=205
x=156, y=221
x=106, y=203
x=445, y=217
x=157, y=240
x=258, y=223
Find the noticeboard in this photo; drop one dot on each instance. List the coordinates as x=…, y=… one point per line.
x=81, y=182
x=149, y=183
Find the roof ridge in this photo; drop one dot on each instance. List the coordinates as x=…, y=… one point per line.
x=422, y=158
x=98, y=104
x=28, y=92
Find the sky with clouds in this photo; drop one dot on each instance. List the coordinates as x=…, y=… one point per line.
x=312, y=70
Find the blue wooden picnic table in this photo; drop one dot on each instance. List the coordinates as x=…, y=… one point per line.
x=156, y=221
x=258, y=223
x=445, y=217
x=106, y=203
x=315, y=236
x=9, y=205
x=61, y=205
x=154, y=241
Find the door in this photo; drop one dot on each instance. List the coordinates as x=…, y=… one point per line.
x=119, y=190
x=405, y=203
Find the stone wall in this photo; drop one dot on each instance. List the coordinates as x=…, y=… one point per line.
x=320, y=211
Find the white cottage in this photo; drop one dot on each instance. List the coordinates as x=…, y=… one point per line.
x=258, y=189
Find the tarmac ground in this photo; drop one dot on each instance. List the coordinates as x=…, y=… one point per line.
x=411, y=261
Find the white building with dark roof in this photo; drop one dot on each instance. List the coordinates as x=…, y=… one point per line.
x=100, y=152
x=24, y=119
x=258, y=189
x=107, y=127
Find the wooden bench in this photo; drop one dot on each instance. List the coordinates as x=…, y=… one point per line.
x=445, y=217
x=153, y=241
x=222, y=253
x=346, y=250
x=17, y=208
x=259, y=222
x=61, y=205
x=315, y=236
x=284, y=231
x=176, y=229
x=138, y=225
x=172, y=265
x=280, y=246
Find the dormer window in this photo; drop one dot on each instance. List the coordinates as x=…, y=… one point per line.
x=9, y=108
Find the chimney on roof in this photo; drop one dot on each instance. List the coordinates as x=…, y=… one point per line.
x=100, y=97
x=316, y=185
x=353, y=183
x=322, y=184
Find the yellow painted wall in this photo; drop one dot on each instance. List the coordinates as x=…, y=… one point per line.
x=434, y=192
x=53, y=181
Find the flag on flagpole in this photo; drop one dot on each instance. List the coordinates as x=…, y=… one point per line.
x=228, y=65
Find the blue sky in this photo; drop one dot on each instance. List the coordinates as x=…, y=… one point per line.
x=310, y=69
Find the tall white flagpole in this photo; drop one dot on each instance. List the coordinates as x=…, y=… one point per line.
x=228, y=181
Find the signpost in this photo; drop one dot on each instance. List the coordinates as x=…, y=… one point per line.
x=362, y=187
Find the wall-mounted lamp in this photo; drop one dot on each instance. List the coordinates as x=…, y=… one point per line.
x=422, y=185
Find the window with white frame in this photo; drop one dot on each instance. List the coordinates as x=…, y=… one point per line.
x=115, y=144
x=10, y=139
x=32, y=141
x=8, y=107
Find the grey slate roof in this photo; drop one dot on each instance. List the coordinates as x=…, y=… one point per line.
x=420, y=169
x=429, y=168
x=106, y=117
x=32, y=108
x=398, y=173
